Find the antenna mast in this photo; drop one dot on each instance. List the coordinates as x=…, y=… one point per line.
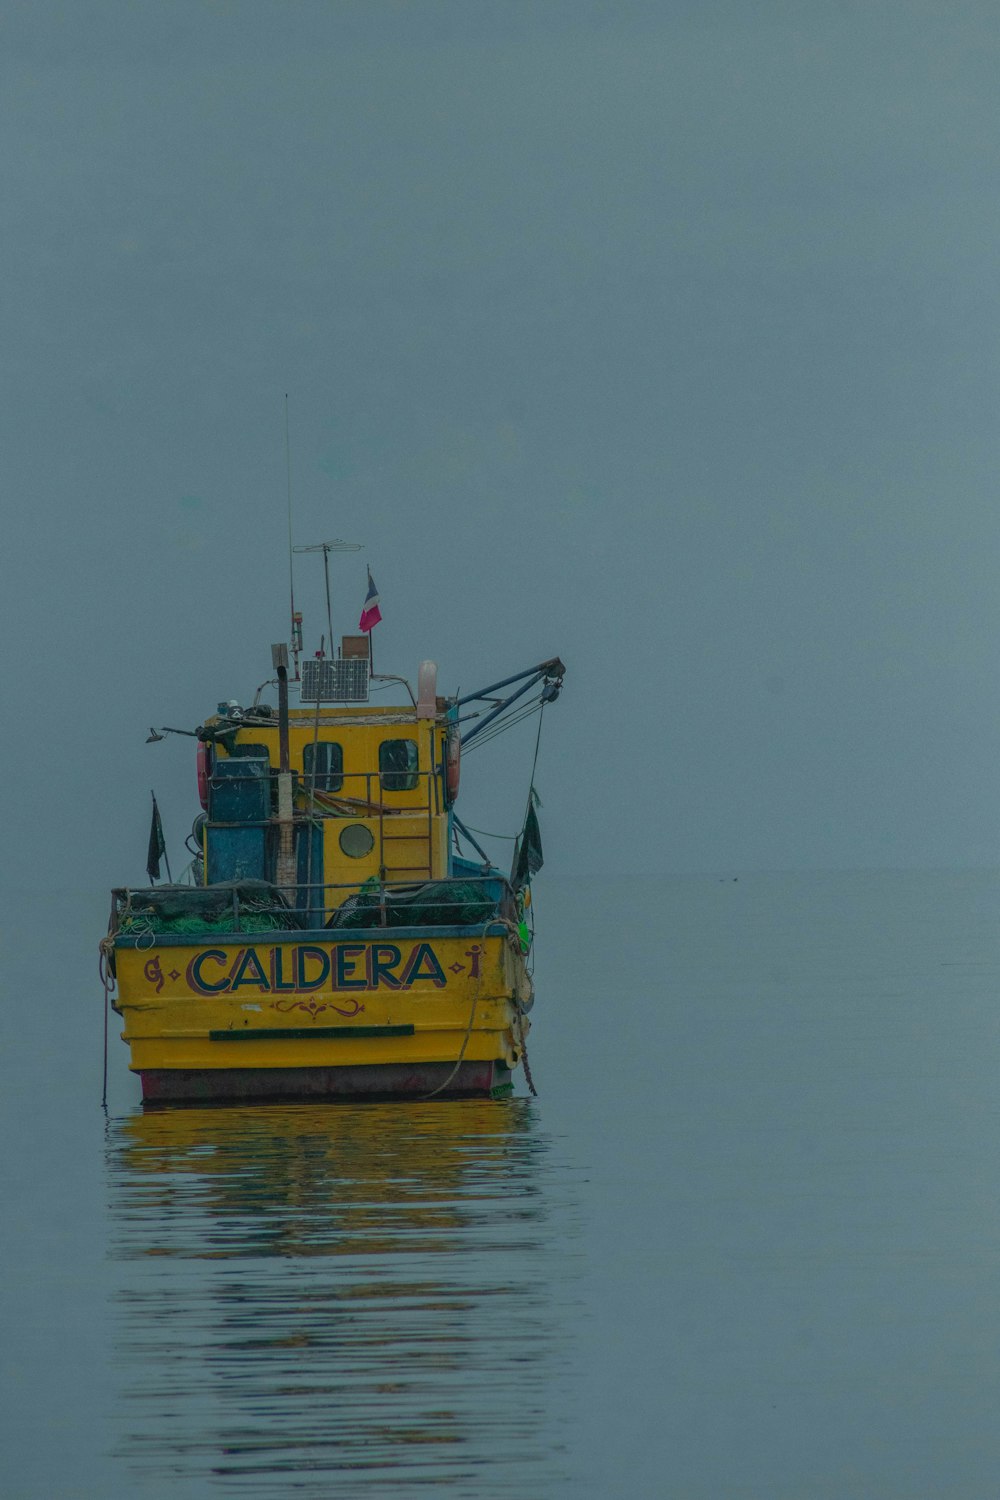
x=296, y=618
x=326, y=548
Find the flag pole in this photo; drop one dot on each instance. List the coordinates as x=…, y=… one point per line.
x=371, y=632
x=156, y=814
x=371, y=638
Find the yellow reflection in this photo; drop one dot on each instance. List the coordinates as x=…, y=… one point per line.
x=310, y=1179
x=324, y=1291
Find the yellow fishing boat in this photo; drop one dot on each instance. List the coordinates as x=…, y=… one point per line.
x=334, y=940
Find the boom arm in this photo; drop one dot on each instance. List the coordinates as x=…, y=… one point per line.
x=551, y=672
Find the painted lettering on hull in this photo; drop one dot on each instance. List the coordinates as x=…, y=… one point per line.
x=303, y=968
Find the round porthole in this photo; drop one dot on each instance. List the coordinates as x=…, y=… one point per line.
x=356, y=840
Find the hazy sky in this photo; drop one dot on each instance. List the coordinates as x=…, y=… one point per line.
x=660, y=336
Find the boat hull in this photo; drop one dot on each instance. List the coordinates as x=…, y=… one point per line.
x=371, y=1081
x=380, y=1013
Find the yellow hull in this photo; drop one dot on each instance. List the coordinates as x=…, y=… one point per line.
x=293, y=1013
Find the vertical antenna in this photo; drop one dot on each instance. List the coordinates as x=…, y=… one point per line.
x=326, y=548
x=326, y=575
x=296, y=642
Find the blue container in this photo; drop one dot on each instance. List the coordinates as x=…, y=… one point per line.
x=235, y=854
x=240, y=790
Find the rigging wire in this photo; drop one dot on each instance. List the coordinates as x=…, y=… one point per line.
x=509, y=838
x=534, y=763
x=505, y=722
x=512, y=725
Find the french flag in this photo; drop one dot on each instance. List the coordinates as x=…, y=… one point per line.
x=370, y=613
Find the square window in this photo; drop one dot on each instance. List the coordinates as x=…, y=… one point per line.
x=397, y=763
x=327, y=760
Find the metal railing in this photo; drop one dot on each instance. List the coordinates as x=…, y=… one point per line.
x=135, y=909
x=327, y=803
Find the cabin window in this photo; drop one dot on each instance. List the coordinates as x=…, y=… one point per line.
x=249, y=752
x=397, y=762
x=328, y=761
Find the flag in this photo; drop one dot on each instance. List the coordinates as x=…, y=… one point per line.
x=156, y=845
x=528, y=860
x=370, y=613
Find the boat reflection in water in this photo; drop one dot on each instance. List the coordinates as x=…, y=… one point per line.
x=368, y=1297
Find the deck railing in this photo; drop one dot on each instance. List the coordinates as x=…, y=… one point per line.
x=370, y=805
x=137, y=908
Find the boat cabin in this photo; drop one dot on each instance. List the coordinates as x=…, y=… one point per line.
x=371, y=792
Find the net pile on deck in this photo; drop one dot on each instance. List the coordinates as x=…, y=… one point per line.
x=434, y=903
x=193, y=909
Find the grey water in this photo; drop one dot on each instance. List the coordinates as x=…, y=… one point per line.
x=744, y=1243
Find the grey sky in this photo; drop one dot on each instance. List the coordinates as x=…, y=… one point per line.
x=661, y=336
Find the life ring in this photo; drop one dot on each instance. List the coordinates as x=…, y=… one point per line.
x=452, y=766
x=204, y=771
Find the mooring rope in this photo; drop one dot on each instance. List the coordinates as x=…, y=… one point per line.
x=522, y=1022
x=472, y=1016
x=106, y=949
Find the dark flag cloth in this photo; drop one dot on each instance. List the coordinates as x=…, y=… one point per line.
x=156, y=845
x=529, y=854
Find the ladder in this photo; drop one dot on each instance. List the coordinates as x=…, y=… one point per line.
x=413, y=850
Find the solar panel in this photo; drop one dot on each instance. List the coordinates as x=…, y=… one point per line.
x=334, y=681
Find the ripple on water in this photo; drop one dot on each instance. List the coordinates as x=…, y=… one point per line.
x=371, y=1297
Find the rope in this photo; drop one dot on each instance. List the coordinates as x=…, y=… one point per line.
x=522, y=1018
x=139, y=928
x=523, y=1038
x=506, y=722
x=534, y=763
x=521, y=1014
x=106, y=949
x=502, y=726
x=522, y=1023
x=472, y=1016
x=514, y=935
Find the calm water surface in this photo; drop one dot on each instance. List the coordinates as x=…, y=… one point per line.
x=366, y=1292
x=745, y=1243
